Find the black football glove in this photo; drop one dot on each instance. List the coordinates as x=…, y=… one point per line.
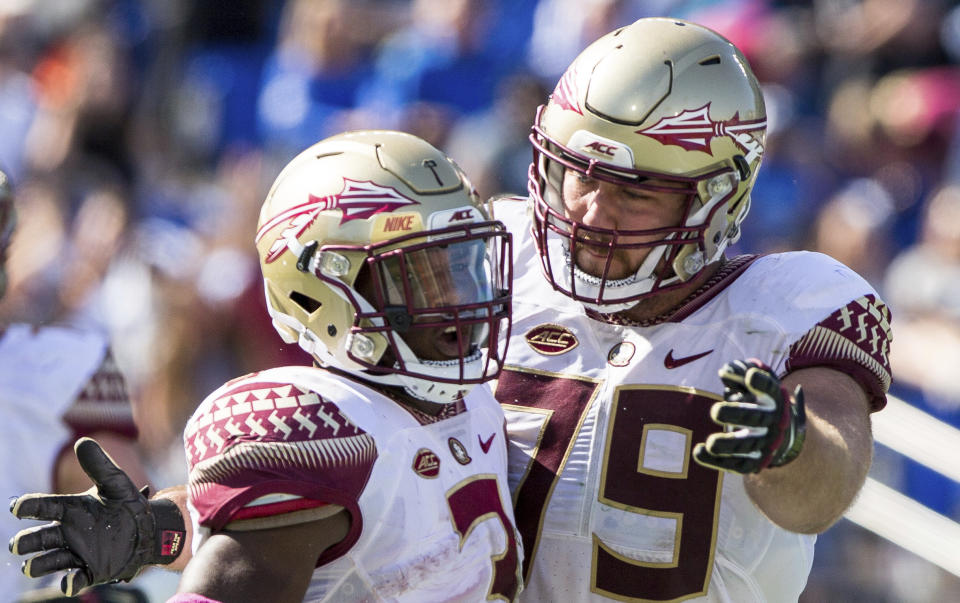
x=105, y=534
x=764, y=426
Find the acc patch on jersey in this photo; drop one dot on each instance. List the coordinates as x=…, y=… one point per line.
x=551, y=340
x=426, y=464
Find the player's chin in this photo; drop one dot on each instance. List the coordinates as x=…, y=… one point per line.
x=595, y=264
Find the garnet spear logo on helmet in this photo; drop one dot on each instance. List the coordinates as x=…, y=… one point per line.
x=357, y=201
x=694, y=130
x=565, y=95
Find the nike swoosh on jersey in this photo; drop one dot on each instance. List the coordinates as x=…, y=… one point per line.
x=671, y=363
x=485, y=446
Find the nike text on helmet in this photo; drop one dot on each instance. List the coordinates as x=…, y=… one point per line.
x=369, y=238
x=659, y=99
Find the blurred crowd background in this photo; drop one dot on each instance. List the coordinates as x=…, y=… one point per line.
x=142, y=136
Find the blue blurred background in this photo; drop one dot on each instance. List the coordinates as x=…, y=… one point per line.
x=142, y=137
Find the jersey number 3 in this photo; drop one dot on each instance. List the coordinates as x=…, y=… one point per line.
x=473, y=501
x=682, y=489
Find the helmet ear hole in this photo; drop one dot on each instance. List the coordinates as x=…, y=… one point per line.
x=742, y=166
x=306, y=302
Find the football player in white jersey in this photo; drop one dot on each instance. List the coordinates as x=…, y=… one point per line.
x=638, y=473
x=382, y=475
x=56, y=383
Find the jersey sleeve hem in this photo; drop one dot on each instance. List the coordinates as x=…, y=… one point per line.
x=312, y=511
x=324, y=498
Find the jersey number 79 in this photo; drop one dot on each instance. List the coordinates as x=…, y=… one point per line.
x=690, y=494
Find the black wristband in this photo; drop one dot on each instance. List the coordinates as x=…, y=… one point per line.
x=171, y=534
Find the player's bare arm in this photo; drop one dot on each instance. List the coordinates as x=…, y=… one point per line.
x=811, y=493
x=803, y=443
x=263, y=565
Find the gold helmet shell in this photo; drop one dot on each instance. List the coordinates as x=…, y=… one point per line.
x=368, y=236
x=660, y=102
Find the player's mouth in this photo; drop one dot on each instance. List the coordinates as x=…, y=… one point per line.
x=593, y=260
x=598, y=251
x=595, y=242
x=448, y=343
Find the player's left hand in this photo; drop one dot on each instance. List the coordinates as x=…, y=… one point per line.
x=764, y=425
x=105, y=534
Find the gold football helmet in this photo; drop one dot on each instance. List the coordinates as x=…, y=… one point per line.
x=660, y=104
x=373, y=241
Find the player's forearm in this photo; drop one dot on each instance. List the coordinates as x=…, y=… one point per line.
x=811, y=493
x=178, y=495
x=270, y=564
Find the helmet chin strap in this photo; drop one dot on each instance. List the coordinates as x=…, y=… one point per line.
x=589, y=285
x=431, y=390
x=417, y=387
x=643, y=279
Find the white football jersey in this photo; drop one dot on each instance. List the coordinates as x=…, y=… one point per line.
x=432, y=519
x=56, y=383
x=602, y=420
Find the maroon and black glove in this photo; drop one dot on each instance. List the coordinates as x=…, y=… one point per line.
x=105, y=534
x=764, y=425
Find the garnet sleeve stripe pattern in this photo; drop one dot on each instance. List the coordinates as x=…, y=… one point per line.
x=854, y=339
x=281, y=457
x=257, y=438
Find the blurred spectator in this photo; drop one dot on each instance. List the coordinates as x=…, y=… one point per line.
x=85, y=94
x=56, y=384
x=17, y=96
x=444, y=64
x=210, y=93
x=491, y=146
x=315, y=70
x=562, y=28
x=923, y=284
x=853, y=228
